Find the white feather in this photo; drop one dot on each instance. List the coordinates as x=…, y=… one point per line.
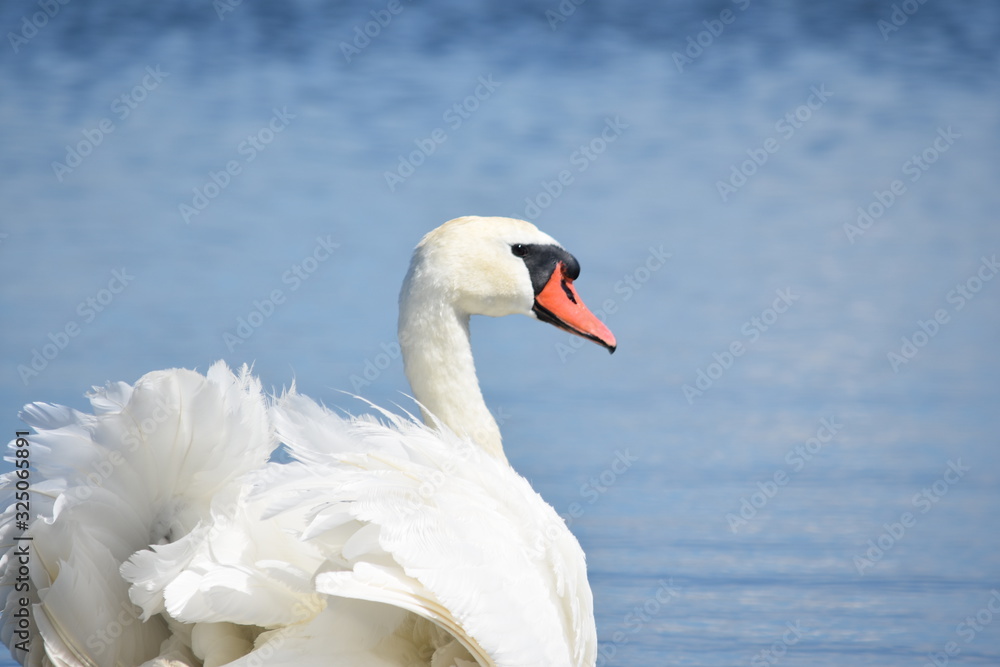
x=142, y=469
x=162, y=536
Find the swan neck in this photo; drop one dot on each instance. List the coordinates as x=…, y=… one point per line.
x=437, y=357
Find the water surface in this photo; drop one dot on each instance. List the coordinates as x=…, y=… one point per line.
x=731, y=505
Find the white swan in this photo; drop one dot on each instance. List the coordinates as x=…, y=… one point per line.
x=163, y=536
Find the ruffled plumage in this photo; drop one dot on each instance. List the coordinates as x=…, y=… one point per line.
x=384, y=542
x=141, y=470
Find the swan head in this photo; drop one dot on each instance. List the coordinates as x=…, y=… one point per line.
x=501, y=266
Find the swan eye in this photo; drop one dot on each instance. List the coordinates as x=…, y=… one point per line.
x=519, y=250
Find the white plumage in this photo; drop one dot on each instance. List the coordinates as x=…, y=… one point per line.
x=141, y=470
x=162, y=536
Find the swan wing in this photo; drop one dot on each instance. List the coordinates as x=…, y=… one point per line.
x=160, y=530
x=427, y=521
x=389, y=540
x=142, y=469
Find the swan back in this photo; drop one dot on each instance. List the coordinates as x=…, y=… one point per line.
x=427, y=521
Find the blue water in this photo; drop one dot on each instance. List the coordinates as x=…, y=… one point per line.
x=811, y=429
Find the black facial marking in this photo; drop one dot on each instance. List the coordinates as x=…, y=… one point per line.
x=568, y=291
x=542, y=260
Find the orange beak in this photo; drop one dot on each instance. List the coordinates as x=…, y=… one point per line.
x=560, y=305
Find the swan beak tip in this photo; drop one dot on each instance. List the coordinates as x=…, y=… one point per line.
x=559, y=304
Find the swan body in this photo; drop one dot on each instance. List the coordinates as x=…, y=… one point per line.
x=162, y=535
